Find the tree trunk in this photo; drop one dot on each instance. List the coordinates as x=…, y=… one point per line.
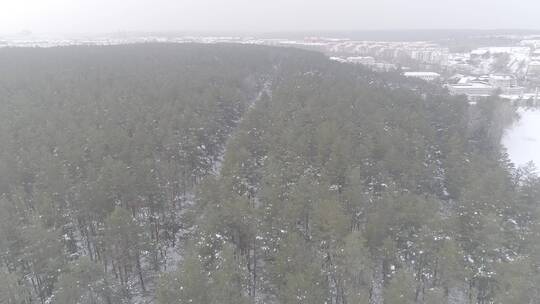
x=139, y=271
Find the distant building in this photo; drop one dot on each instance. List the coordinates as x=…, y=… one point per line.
x=513, y=90
x=534, y=43
x=472, y=89
x=534, y=68
x=383, y=67
x=479, y=53
x=361, y=60
x=502, y=81
x=372, y=63
x=535, y=55
x=502, y=50
x=427, y=76
x=430, y=55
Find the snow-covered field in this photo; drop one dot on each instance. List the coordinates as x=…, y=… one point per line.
x=522, y=139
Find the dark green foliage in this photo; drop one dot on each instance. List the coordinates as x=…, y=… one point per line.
x=12, y=290
x=85, y=282
x=338, y=185
x=401, y=289
x=188, y=285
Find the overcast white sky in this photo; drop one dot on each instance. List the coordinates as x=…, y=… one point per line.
x=98, y=16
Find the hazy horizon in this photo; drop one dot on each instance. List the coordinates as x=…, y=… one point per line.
x=101, y=16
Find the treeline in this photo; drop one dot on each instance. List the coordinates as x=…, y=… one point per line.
x=338, y=185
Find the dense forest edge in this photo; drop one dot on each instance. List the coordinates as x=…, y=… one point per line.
x=229, y=174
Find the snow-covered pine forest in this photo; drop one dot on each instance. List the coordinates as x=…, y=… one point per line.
x=227, y=174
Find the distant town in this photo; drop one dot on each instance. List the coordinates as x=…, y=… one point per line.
x=510, y=71
x=513, y=72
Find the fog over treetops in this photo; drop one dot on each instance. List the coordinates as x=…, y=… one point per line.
x=102, y=16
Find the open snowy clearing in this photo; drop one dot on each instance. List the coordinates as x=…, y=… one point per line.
x=522, y=139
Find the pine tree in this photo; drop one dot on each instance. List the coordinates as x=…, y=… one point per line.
x=227, y=280
x=124, y=244
x=189, y=284
x=12, y=290
x=85, y=282
x=401, y=289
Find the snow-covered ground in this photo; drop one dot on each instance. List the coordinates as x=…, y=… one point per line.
x=522, y=139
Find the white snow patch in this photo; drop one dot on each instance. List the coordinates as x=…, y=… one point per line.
x=522, y=139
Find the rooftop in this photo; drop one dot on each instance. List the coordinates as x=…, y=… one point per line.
x=417, y=74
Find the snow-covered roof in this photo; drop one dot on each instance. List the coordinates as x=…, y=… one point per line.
x=477, y=85
x=420, y=74
x=479, y=52
x=505, y=49
x=501, y=77
x=466, y=79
